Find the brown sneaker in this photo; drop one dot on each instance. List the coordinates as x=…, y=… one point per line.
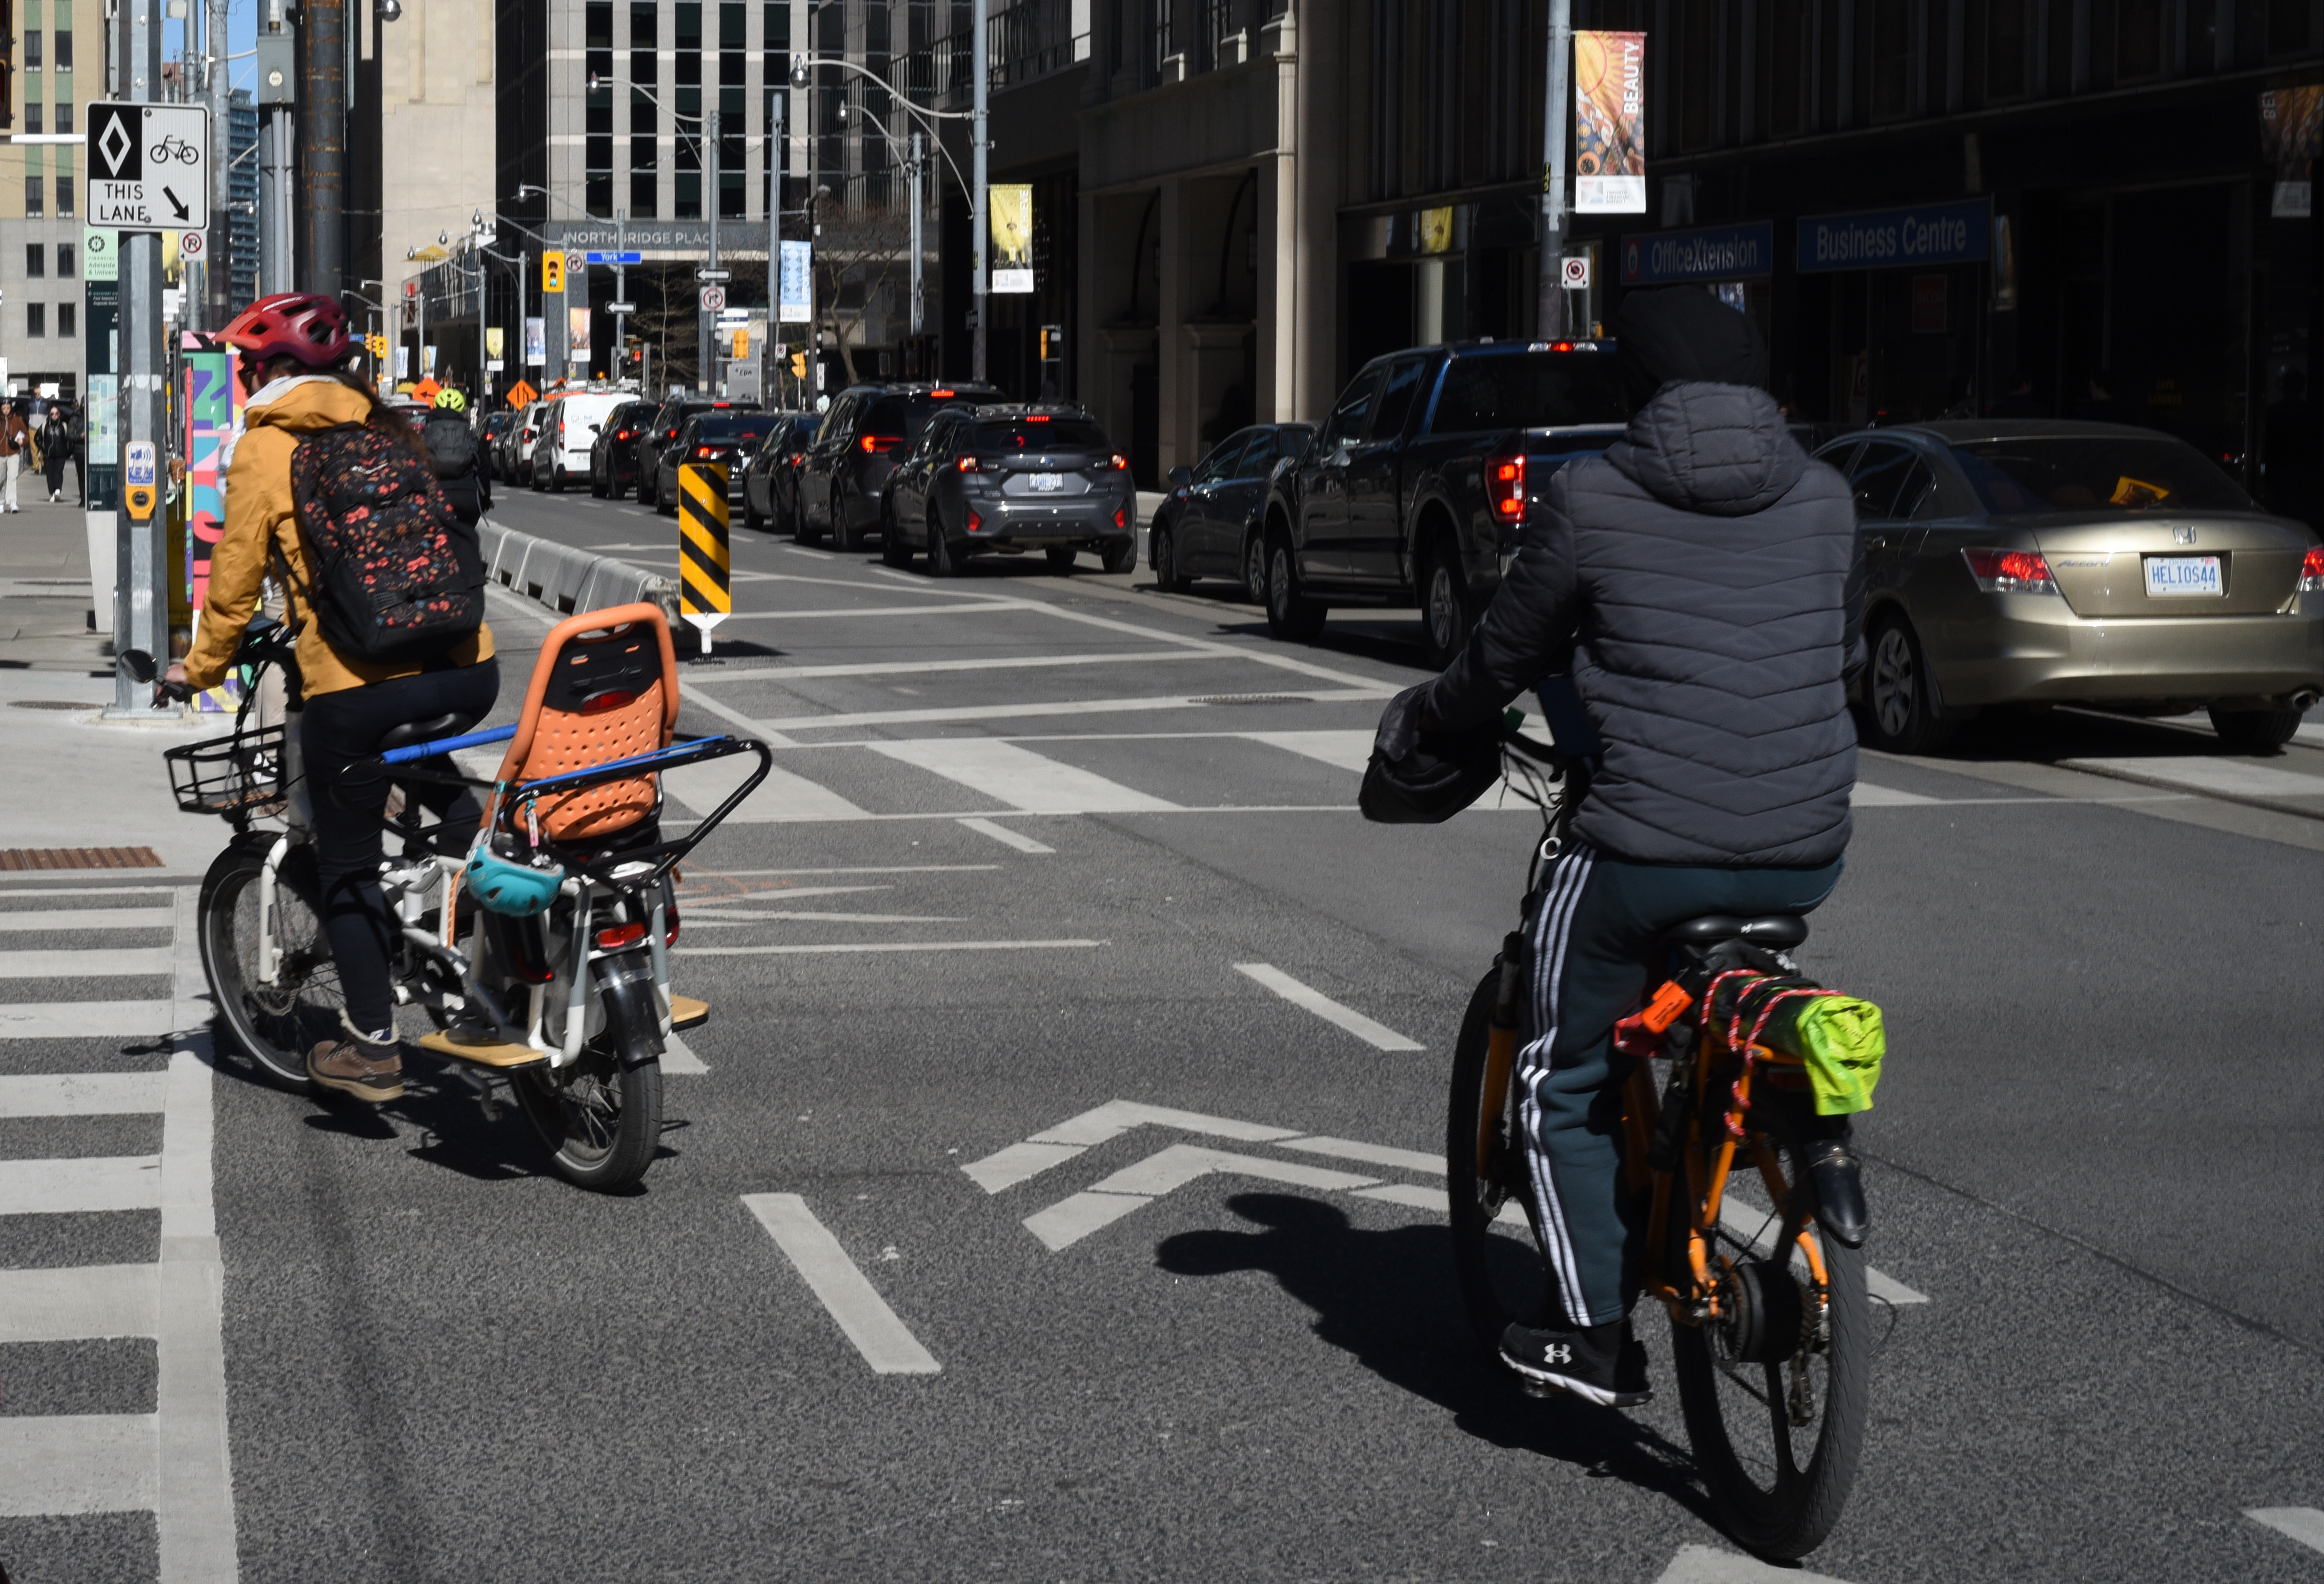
x=367, y=1069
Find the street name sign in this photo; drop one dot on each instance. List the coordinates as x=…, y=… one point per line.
x=616, y=258
x=149, y=167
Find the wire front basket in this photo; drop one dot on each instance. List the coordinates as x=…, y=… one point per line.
x=239, y=776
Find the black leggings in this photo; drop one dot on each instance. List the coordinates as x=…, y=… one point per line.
x=340, y=729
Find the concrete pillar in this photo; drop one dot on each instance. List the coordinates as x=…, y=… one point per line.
x=1277, y=396
x=1177, y=434
x=1316, y=334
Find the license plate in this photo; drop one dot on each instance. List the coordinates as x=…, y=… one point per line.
x=1048, y=482
x=2170, y=576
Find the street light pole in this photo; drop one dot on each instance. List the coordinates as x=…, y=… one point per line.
x=1555, y=120
x=705, y=341
x=979, y=67
x=919, y=204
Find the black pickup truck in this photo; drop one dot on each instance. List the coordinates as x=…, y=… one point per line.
x=1414, y=489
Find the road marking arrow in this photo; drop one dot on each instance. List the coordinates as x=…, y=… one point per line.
x=1070, y=1221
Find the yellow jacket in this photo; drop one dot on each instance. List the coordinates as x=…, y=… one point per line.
x=259, y=509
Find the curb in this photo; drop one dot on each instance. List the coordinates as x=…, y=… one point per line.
x=565, y=578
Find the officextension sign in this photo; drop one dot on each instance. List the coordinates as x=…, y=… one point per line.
x=1879, y=239
x=1704, y=252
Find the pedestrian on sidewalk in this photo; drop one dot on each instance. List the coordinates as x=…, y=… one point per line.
x=56, y=450
x=16, y=441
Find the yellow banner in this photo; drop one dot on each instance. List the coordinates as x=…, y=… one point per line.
x=1012, y=237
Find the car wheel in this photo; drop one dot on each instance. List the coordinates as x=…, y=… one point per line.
x=1061, y=559
x=943, y=562
x=665, y=501
x=1121, y=556
x=1447, y=607
x=2254, y=731
x=645, y=489
x=893, y=550
x=556, y=481
x=1290, y=614
x=1167, y=576
x=751, y=518
x=1898, y=716
x=1254, y=570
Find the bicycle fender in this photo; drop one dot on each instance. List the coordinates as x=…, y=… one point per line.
x=633, y=1016
x=1838, y=1184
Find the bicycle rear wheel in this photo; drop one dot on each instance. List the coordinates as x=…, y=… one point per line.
x=1496, y=1251
x=276, y=1025
x=600, y=1118
x=1776, y=1392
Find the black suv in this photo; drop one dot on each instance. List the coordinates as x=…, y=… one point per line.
x=723, y=438
x=1011, y=478
x=867, y=431
x=614, y=454
x=663, y=430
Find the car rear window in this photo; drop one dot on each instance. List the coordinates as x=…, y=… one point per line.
x=2097, y=473
x=1056, y=434
x=743, y=426
x=1529, y=389
x=900, y=418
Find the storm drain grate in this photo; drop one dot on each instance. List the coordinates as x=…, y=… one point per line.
x=1253, y=699
x=50, y=704
x=79, y=858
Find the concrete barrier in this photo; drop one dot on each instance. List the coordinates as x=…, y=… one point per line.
x=567, y=577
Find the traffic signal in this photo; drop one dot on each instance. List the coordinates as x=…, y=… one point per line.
x=798, y=365
x=552, y=273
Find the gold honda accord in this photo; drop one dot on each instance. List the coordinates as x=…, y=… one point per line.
x=2012, y=561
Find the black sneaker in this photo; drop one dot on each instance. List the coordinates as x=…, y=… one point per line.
x=1597, y=1364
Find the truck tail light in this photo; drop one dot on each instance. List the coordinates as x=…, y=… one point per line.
x=2011, y=571
x=1504, y=488
x=2311, y=570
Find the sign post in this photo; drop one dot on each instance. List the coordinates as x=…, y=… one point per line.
x=704, y=594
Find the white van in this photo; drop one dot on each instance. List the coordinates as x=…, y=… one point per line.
x=567, y=429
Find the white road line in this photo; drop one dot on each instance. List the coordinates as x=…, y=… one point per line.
x=706, y=916
x=1371, y=1154
x=44, y=919
x=977, y=712
x=1099, y=1124
x=1006, y=836
x=168, y=883
x=2232, y=777
x=678, y=1057
x=84, y=1463
x=859, y=869
x=1262, y=656
x=1071, y=1219
x=1376, y=1034
x=75, y=1183
x=72, y=1020
x=1867, y=796
x=81, y=1094
x=976, y=607
x=1699, y=1564
x=1344, y=750
x=819, y=948
x=1031, y=781
x=2304, y=1524
x=107, y=963
x=781, y=798
x=73, y=1304
x=887, y=1344
x=918, y=667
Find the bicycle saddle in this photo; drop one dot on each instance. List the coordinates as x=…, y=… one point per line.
x=1778, y=932
x=426, y=731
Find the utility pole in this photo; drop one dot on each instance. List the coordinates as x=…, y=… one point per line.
x=919, y=286
x=706, y=341
x=277, y=96
x=621, y=293
x=1557, y=119
x=220, y=93
x=141, y=618
x=979, y=68
x=323, y=45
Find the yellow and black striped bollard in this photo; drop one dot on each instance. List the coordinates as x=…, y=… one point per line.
x=706, y=595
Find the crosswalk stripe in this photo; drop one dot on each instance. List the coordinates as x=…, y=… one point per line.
x=781, y=797
x=43, y=919
x=74, y=1303
x=82, y=1463
x=92, y=1020
x=2304, y=1524
x=1017, y=776
x=81, y=1094
x=74, y=1183
x=119, y=962
x=1345, y=750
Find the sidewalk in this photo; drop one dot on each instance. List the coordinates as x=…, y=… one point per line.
x=73, y=783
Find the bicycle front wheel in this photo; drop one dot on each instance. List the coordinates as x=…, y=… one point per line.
x=1496, y=1251
x=276, y=1025
x=1775, y=1391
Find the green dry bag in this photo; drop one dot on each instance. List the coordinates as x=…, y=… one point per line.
x=1842, y=1042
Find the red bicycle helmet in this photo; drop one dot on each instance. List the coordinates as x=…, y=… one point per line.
x=291, y=324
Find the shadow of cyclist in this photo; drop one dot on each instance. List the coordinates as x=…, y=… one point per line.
x=1390, y=1298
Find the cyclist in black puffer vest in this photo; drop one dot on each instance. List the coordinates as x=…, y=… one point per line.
x=1700, y=584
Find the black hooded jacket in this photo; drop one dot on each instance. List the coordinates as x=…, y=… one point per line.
x=1701, y=584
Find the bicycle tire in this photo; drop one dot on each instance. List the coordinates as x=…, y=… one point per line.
x=600, y=1118
x=1788, y=1515
x=1497, y=1259
x=275, y=1027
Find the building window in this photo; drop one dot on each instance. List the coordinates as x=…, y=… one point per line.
x=644, y=157
x=35, y=195
x=64, y=182
x=64, y=261
x=778, y=22
x=2138, y=49
x=64, y=49
x=1787, y=62
x=734, y=155
x=32, y=120
x=64, y=106
x=2008, y=33
x=1892, y=58
x=36, y=260
x=598, y=161
x=688, y=65
x=36, y=320
x=689, y=195
x=65, y=325
x=33, y=50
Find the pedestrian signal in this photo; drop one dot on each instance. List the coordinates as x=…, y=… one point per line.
x=798, y=365
x=742, y=344
x=552, y=273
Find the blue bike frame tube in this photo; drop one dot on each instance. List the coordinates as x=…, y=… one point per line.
x=475, y=739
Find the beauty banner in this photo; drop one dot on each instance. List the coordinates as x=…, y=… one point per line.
x=2289, y=121
x=576, y=335
x=536, y=341
x=1610, y=132
x=797, y=305
x=1012, y=237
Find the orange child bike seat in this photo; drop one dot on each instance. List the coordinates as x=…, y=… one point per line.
x=605, y=687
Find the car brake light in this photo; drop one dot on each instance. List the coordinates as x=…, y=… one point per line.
x=974, y=522
x=2010, y=571
x=1121, y=464
x=941, y=395
x=622, y=935
x=1560, y=346
x=1504, y=488
x=968, y=464
x=706, y=450
x=2311, y=570
x=622, y=436
x=1037, y=418
x=1122, y=517
x=882, y=442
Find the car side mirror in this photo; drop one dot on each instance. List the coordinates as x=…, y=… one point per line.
x=1182, y=476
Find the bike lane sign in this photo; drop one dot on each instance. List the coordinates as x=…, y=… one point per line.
x=149, y=167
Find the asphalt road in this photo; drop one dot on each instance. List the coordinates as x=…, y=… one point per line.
x=1035, y=844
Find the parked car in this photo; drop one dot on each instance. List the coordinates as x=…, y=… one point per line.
x=496, y=424
x=869, y=429
x=662, y=430
x=1211, y=522
x=515, y=450
x=567, y=431
x=710, y=437
x=1010, y=478
x=2024, y=560
x=614, y=454
x=770, y=478
x=1416, y=487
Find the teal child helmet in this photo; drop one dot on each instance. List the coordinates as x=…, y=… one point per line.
x=507, y=886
